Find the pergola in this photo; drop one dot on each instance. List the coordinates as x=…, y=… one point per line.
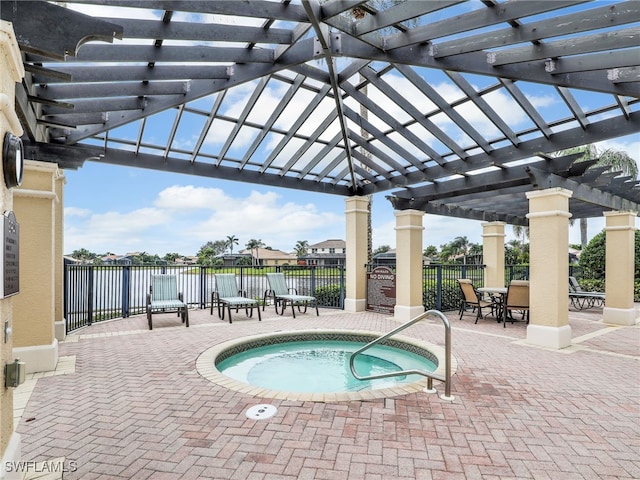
x=454, y=108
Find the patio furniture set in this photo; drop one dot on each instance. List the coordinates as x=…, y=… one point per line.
x=498, y=302
x=501, y=302
x=163, y=297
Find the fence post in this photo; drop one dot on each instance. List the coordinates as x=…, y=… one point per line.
x=312, y=285
x=203, y=286
x=126, y=285
x=439, y=289
x=90, y=299
x=342, y=287
x=65, y=295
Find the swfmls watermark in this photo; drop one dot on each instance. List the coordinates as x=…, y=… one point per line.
x=50, y=466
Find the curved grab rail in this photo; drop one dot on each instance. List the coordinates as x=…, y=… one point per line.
x=430, y=375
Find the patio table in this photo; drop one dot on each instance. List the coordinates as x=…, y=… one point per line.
x=497, y=294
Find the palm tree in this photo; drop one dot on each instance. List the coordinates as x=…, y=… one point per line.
x=461, y=245
x=447, y=251
x=521, y=232
x=231, y=241
x=252, y=245
x=301, y=248
x=618, y=160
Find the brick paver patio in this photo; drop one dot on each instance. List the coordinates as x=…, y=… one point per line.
x=134, y=407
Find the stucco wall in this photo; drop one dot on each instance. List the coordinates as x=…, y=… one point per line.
x=12, y=72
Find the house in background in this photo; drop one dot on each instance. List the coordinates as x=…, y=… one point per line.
x=389, y=258
x=233, y=259
x=117, y=259
x=327, y=253
x=270, y=258
x=187, y=260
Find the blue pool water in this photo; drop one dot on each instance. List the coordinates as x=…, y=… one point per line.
x=321, y=366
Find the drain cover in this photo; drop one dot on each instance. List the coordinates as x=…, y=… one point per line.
x=261, y=412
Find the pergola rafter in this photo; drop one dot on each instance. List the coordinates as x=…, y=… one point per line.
x=340, y=97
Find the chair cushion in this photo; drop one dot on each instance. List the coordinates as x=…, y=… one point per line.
x=238, y=300
x=158, y=304
x=297, y=298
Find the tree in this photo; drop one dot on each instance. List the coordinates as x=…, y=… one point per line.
x=475, y=249
x=145, y=258
x=593, y=256
x=301, y=248
x=447, y=252
x=431, y=251
x=516, y=253
x=231, y=241
x=618, y=160
x=521, y=232
x=84, y=255
x=210, y=250
x=252, y=245
x=171, y=257
x=461, y=245
x=381, y=249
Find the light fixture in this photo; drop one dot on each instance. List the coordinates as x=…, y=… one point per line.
x=12, y=160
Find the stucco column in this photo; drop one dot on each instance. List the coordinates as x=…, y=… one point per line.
x=549, y=276
x=356, y=212
x=620, y=266
x=493, y=253
x=408, y=264
x=12, y=72
x=34, y=309
x=60, y=327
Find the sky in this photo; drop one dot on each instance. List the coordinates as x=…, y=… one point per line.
x=125, y=209
x=113, y=209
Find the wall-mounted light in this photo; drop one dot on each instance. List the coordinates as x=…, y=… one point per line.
x=12, y=160
x=14, y=374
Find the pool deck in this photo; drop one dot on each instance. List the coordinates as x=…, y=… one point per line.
x=129, y=403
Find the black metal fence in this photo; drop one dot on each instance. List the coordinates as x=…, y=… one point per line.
x=96, y=293
x=440, y=284
x=440, y=290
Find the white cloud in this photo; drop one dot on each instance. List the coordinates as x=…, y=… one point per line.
x=76, y=212
x=110, y=231
x=264, y=216
x=183, y=218
x=188, y=197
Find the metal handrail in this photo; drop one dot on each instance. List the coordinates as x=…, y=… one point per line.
x=430, y=375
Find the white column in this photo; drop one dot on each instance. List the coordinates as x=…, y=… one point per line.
x=549, y=275
x=620, y=265
x=408, y=264
x=493, y=253
x=356, y=211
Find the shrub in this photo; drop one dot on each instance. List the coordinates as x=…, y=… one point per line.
x=328, y=296
x=451, y=295
x=593, y=260
x=593, y=257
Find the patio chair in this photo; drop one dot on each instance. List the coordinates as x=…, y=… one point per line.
x=228, y=295
x=517, y=299
x=581, y=299
x=163, y=297
x=471, y=298
x=281, y=295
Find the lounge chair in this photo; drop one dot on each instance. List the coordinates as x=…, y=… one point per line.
x=582, y=300
x=471, y=298
x=281, y=295
x=228, y=295
x=163, y=297
x=517, y=299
